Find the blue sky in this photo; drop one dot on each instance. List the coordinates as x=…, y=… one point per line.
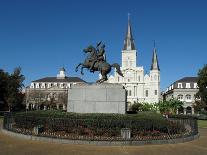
x=41, y=36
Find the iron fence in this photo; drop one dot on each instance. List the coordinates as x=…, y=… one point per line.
x=102, y=129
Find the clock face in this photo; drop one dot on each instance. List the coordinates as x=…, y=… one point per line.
x=128, y=74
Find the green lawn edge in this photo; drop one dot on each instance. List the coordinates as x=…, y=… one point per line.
x=202, y=123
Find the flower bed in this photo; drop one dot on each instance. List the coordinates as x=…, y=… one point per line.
x=143, y=126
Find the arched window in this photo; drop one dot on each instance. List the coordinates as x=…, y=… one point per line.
x=188, y=97
x=130, y=93
x=139, y=78
x=146, y=93
x=155, y=77
x=188, y=110
x=180, y=97
x=155, y=92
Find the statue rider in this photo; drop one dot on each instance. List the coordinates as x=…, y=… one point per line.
x=100, y=56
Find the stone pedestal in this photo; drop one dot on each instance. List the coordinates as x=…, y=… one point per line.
x=97, y=98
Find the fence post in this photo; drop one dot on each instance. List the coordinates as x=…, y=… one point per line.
x=126, y=133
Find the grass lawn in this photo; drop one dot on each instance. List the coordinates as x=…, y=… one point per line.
x=202, y=123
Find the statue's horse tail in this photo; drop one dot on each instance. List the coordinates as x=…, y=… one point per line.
x=118, y=70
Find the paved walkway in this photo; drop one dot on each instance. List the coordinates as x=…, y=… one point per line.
x=15, y=146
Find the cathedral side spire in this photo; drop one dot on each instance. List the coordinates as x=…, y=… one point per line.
x=155, y=64
x=129, y=41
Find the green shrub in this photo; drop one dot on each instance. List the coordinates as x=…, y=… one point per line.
x=96, y=124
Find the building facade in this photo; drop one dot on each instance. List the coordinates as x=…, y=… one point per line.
x=50, y=92
x=183, y=90
x=140, y=87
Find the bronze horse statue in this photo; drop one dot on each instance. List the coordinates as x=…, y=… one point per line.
x=93, y=63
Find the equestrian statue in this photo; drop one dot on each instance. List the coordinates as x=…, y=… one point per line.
x=96, y=61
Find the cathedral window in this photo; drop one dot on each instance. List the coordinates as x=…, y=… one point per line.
x=130, y=93
x=146, y=93
x=155, y=77
x=139, y=78
x=155, y=92
x=130, y=63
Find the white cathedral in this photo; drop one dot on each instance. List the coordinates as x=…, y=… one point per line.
x=140, y=88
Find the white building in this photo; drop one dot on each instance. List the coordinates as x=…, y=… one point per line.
x=184, y=90
x=50, y=90
x=140, y=87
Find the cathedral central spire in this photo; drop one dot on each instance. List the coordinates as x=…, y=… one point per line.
x=129, y=41
x=155, y=64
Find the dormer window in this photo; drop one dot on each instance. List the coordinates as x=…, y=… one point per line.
x=187, y=85
x=195, y=85
x=42, y=85
x=32, y=85
x=37, y=85
x=49, y=85
x=180, y=85
x=55, y=84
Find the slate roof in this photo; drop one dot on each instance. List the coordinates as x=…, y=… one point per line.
x=188, y=79
x=55, y=79
x=185, y=80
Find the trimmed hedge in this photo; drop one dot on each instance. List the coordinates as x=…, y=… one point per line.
x=143, y=123
x=182, y=116
x=60, y=114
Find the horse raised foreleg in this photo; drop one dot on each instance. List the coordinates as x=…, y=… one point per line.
x=82, y=70
x=76, y=69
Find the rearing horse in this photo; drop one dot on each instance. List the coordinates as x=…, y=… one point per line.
x=103, y=67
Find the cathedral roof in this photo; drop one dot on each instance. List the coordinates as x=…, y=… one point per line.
x=129, y=41
x=55, y=79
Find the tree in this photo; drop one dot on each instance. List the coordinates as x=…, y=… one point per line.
x=63, y=98
x=36, y=97
x=170, y=106
x=202, y=85
x=136, y=106
x=175, y=105
x=144, y=107
x=4, y=76
x=13, y=95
